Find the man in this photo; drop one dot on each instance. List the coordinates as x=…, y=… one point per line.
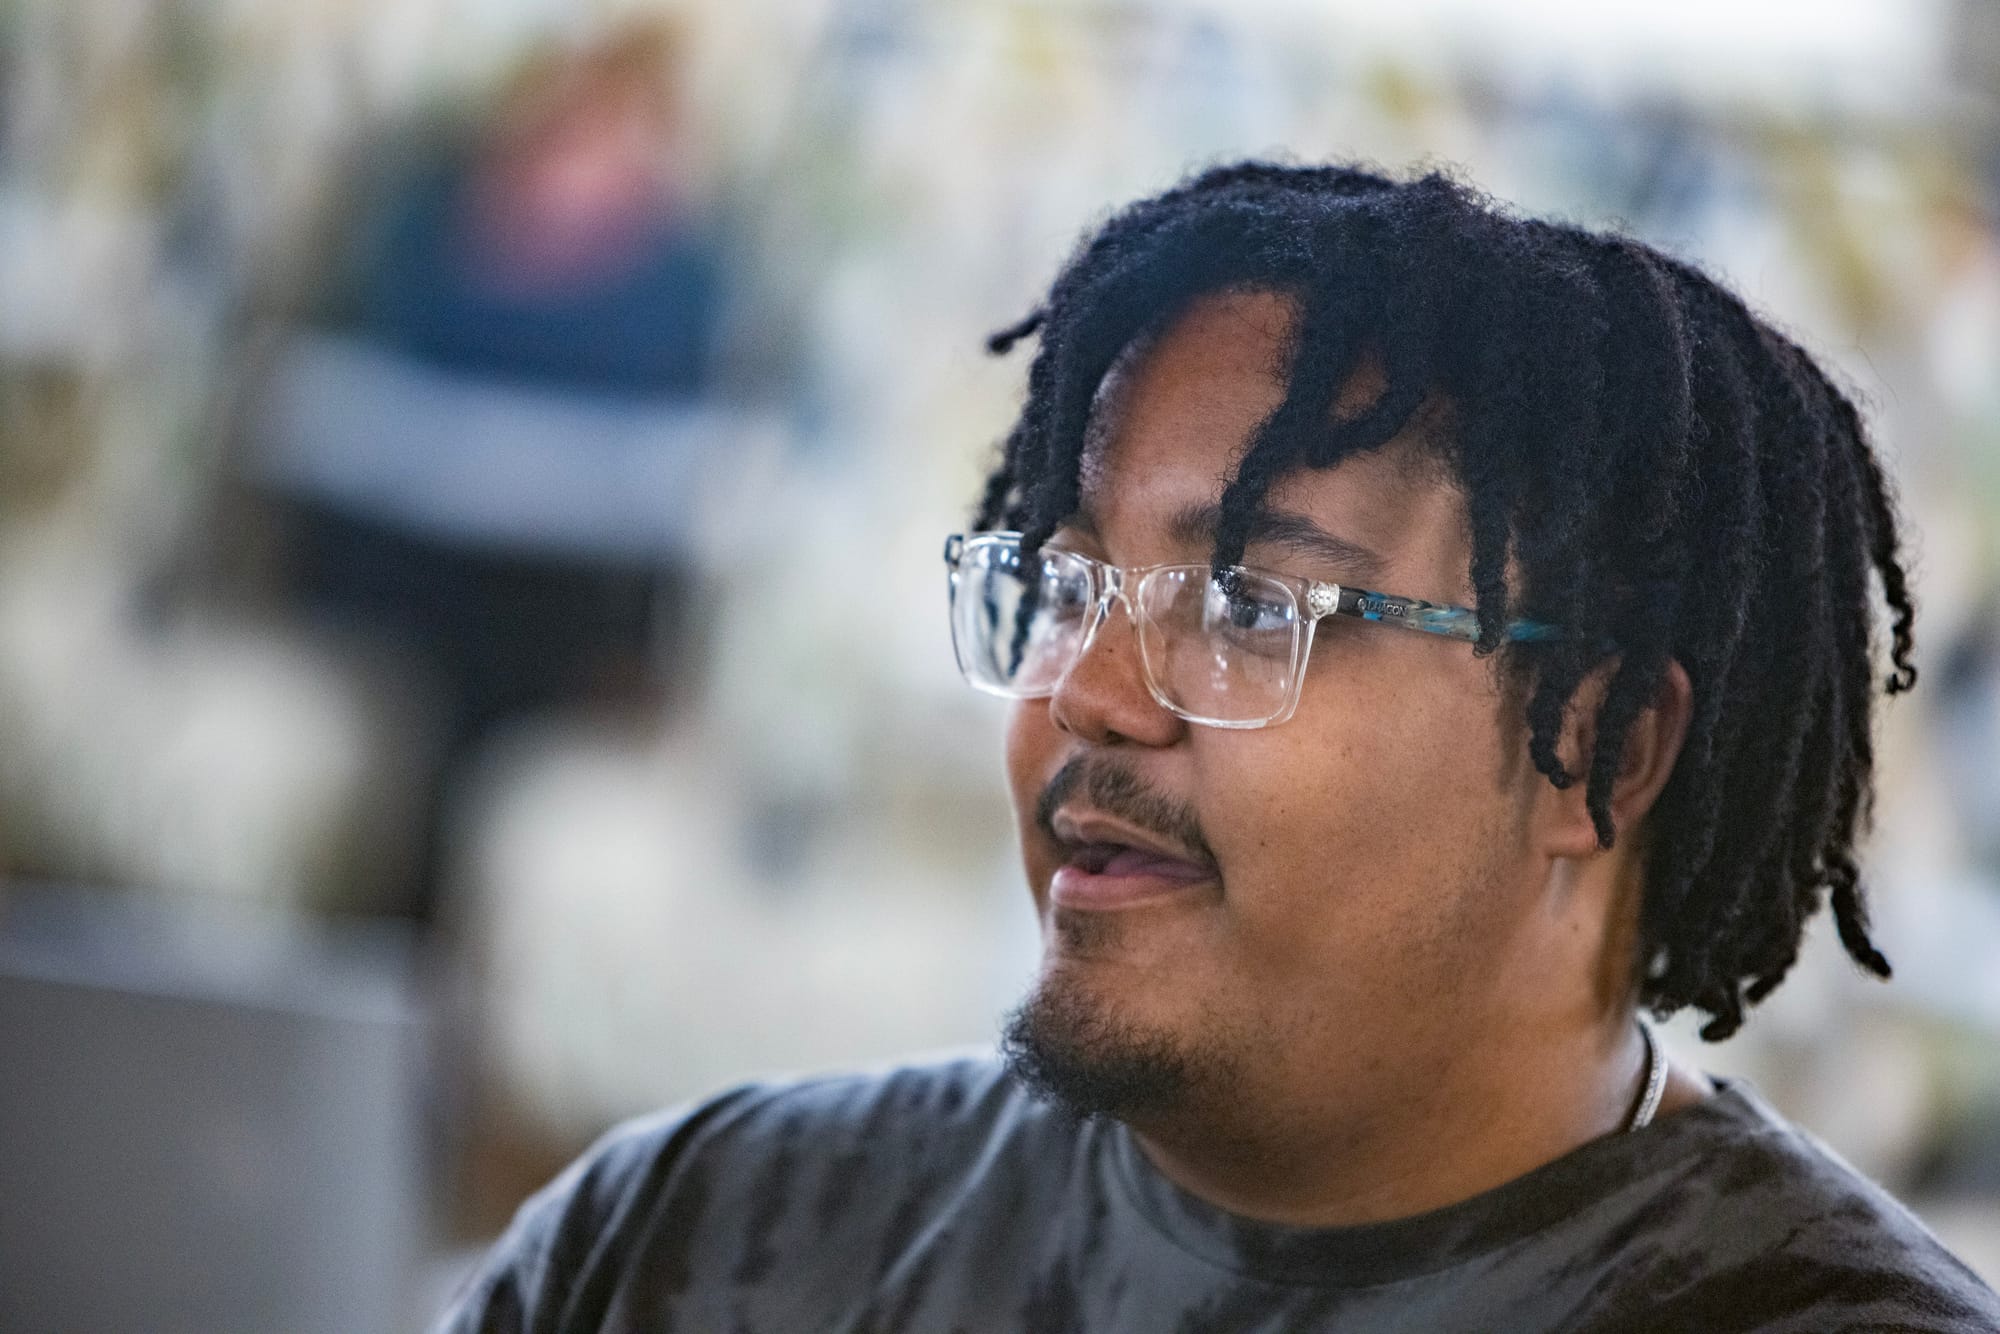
x=1437, y=637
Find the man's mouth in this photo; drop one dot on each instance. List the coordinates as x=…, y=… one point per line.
x=1116, y=859
x=1104, y=866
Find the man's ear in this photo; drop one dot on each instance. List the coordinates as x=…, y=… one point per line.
x=1652, y=746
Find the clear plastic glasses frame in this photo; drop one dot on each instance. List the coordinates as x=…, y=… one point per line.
x=1226, y=651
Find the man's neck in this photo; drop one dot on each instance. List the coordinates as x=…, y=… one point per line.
x=1472, y=1128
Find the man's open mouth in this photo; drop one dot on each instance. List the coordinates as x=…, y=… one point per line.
x=1122, y=859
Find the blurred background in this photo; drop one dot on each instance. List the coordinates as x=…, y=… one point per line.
x=473, y=661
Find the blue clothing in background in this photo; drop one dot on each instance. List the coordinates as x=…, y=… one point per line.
x=646, y=328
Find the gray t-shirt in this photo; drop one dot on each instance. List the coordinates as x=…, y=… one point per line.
x=943, y=1197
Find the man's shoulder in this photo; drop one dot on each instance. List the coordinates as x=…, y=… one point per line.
x=774, y=1175
x=1781, y=1233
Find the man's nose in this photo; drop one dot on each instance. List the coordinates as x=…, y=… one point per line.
x=1103, y=697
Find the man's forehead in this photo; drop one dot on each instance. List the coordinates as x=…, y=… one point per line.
x=1229, y=339
x=1175, y=411
x=1353, y=540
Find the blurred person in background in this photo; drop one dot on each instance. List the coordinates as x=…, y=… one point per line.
x=485, y=440
x=1437, y=637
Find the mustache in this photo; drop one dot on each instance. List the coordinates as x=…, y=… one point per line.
x=1116, y=790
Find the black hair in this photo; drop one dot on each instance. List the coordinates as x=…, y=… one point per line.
x=1672, y=475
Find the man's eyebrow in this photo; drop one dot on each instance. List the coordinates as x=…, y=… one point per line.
x=1195, y=525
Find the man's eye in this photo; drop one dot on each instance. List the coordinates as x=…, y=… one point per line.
x=1243, y=610
x=1242, y=613
x=1250, y=613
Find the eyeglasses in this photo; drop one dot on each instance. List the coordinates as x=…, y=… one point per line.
x=1222, y=651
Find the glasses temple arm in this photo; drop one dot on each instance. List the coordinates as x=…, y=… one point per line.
x=1431, y=618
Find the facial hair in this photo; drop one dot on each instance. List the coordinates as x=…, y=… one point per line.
x=1064, y=1044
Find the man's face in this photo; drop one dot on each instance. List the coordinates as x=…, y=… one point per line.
x=1316, y=907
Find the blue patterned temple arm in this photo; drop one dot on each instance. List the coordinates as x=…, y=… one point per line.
x=1323, y=599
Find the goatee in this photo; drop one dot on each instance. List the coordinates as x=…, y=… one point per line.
x=1067, y=1051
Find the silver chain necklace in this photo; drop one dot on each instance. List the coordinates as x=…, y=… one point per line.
x=1656, y=1080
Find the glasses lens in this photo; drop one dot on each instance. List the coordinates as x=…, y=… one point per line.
x=1219, y=651
x=1016, y=624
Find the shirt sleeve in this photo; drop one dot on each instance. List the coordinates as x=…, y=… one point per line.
x=549, y=1270
x=526, y=1279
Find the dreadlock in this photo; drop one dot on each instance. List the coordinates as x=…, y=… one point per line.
x=1672, y=476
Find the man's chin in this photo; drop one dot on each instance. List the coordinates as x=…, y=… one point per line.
x=1073, y=1050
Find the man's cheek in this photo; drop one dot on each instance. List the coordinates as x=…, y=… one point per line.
x=1026, y=753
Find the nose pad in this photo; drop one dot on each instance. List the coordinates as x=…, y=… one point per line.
x=1101, y=701
x=1114, y=591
